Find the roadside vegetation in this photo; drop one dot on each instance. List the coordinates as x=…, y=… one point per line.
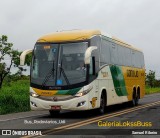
x=14, y=96
x=150, y=90
x=152, y=84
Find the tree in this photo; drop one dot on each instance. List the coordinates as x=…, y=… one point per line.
x=6, y=51
x=151, y=78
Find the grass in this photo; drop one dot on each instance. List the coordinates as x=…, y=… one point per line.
x=14, y=97
x=150, y=90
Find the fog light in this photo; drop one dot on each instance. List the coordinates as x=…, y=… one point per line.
x=34, y=104
x=81, y=103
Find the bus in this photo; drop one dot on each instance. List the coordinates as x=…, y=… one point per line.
x=84, y=70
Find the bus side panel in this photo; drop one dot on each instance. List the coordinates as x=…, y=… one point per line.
x=125, y=79
x=108, y=78
x=134, y=77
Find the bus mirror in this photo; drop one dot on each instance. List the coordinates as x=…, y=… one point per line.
x=23, y=56
x=88, y=54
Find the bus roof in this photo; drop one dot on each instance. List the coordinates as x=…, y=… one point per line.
x=77, y=35
x=122, y=43
x=73, y=35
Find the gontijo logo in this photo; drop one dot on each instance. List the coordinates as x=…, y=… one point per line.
x=132, y=73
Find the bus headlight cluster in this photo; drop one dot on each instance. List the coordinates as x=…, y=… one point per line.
x=84, y=91
x=33, y=94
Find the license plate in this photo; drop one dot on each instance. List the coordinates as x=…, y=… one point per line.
x=56, y=107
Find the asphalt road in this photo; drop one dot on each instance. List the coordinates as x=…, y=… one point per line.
x=90, y=122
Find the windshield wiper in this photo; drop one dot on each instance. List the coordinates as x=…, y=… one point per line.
x=64, y=74
x=49, y=74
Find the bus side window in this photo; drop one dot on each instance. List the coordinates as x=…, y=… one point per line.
x=114, y=53
x=35, y=68
x=92, y=70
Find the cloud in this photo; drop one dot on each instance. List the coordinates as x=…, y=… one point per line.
x=136, y=22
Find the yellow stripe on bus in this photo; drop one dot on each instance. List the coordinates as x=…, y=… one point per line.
x=45, y=92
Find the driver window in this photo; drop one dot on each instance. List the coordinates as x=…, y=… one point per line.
x=91, y=67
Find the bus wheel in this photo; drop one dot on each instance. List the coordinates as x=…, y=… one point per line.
x=137, y=99
x=134, y=101
x=102, y=104
x=54, y=113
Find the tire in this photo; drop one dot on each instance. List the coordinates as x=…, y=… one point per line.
x=54, y=113
x=135, y=100
x=102, y=104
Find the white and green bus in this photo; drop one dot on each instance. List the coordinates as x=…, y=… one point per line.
x=83, y=70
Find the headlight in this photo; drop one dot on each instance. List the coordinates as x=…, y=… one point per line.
x=33, y=94
x=84, y=91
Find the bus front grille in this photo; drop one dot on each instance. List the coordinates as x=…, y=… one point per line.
x=56, y=98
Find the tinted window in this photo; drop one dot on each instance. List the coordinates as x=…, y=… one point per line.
x=127, y=56
x=114, y=53
x=121, y=55
x=137, y=59
x=105, y=52
x=96, y=41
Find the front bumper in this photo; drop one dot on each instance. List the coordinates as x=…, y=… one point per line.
x=71, y=104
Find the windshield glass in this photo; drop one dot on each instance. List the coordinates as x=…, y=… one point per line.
x=44, y=63
x=71, y=64
x=58, y=64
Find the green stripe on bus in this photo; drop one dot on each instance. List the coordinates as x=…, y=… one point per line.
x=68, y=92
x=118, y=80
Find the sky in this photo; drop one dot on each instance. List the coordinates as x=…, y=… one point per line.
x=136, y=22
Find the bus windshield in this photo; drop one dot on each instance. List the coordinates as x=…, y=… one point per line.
x=58, y=64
